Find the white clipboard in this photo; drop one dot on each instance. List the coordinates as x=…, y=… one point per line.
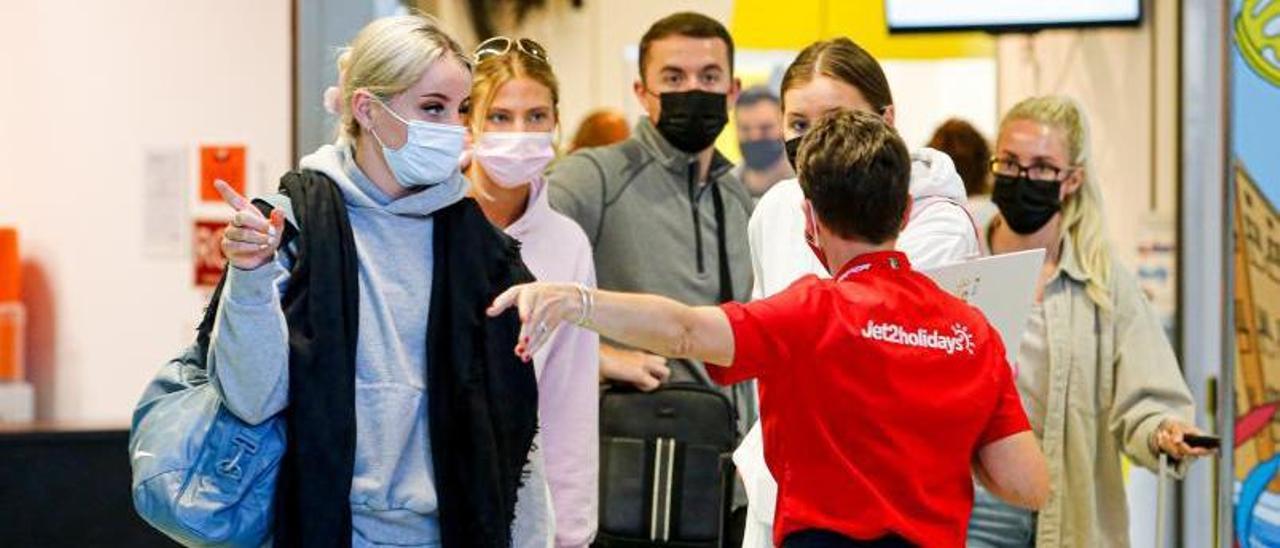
x=1003, y=287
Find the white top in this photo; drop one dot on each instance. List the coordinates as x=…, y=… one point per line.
x=939, y=231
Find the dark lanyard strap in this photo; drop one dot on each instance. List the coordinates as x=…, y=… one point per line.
x=726, y=279
x=726, y=291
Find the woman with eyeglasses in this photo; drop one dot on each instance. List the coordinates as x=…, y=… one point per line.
x=1095, y=372
x=512, y=122
x=408, y=420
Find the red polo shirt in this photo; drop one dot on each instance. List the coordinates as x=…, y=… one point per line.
x=877, y=389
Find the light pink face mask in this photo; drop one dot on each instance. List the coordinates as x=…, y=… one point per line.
x=513, y=159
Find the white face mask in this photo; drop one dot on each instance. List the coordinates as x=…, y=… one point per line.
x=513, y=159
x=429, y=155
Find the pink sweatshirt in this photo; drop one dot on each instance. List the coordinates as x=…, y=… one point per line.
x=556, y=250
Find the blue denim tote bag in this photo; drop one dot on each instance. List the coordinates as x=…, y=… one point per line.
x=201, y=475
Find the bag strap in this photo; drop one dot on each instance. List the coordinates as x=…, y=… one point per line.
x=930, y=201
x=726, y=277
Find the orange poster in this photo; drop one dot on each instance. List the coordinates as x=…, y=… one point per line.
x=221, y=162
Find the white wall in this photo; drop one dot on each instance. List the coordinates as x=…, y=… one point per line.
x=88, y=87
x=927, y=93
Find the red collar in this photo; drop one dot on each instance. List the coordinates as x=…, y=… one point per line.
x=891, y=260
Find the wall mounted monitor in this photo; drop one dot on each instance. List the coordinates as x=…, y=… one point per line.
x=1008, y=15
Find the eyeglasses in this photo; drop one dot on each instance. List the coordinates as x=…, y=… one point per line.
x=1009, y=167
x=501, y=45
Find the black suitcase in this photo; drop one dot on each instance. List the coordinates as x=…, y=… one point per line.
x=666, y=472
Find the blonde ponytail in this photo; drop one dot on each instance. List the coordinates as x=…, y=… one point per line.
x=1082, y=211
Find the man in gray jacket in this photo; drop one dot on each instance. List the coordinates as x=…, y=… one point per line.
x=662, y=210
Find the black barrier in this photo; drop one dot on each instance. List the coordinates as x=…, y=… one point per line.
x=69, y=489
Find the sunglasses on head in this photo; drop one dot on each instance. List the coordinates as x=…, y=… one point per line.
x=501, y=45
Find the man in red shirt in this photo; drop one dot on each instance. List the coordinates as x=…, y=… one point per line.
x=879, y=392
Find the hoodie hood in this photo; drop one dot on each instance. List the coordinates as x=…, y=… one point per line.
x=933, y=175
x=338, y=163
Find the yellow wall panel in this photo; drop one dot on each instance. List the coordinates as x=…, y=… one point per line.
x=794, y=24
x=770, y=24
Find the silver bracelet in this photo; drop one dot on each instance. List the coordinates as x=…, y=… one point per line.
x=587, y=300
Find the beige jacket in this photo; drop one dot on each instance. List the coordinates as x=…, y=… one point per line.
x=1113, y=378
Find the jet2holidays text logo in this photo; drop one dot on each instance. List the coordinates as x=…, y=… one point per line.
x=960, y=340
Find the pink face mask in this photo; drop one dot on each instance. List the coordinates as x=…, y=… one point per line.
x=513, y=159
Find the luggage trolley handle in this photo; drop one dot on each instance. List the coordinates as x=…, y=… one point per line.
x=1197, y=441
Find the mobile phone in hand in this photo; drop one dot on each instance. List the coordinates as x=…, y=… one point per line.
x=1202, y=442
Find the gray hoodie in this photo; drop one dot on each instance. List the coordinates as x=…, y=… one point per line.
x=393, y=496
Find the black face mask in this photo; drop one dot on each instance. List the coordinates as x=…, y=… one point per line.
x=691, y=120
x=1026, y=204
x=761, y=153
x=793, y=149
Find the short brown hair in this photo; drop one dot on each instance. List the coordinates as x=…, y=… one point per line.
x=856, y=171
x=842, y=60
x=685, y=23
x=968, y=149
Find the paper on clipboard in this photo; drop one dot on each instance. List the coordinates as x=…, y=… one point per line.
x=1001, y=286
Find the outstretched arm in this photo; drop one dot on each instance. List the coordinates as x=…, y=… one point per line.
x=656, y=324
